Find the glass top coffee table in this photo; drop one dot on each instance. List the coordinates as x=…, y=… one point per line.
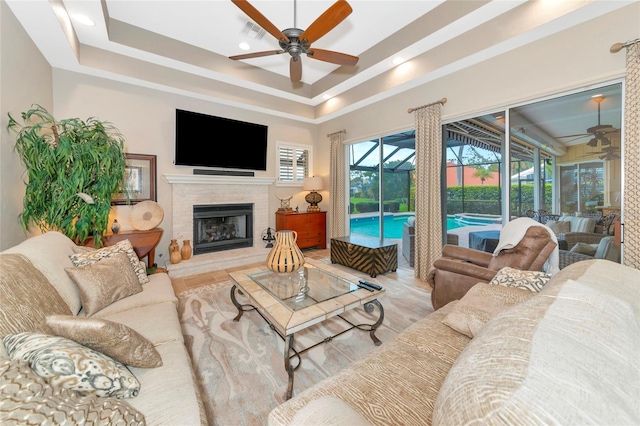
x=292, y=302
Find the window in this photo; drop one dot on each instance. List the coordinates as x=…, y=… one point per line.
x=294, y=162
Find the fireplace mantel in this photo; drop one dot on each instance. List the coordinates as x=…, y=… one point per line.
x=218, y=180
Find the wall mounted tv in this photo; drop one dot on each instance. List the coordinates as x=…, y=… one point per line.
x=207, y=141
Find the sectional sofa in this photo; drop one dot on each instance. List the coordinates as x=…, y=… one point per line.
x=35, y=288
x=500, y=355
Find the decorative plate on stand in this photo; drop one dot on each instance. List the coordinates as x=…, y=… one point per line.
x=146, y=215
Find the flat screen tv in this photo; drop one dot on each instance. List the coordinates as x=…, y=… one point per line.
x=208, y=141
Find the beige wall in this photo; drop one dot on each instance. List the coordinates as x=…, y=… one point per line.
x=146, y=119
x=25, y=78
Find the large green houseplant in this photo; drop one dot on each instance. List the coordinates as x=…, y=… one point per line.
x=73, y=169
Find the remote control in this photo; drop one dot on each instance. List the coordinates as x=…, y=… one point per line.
x=370, y=284
x=366, y=287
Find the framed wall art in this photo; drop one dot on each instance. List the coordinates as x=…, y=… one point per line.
x=140, y=180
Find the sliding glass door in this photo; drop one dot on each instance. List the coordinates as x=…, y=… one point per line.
x=382, y=188
x=543, y=159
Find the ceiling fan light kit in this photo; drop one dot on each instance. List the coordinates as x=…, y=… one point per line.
x=297, y=42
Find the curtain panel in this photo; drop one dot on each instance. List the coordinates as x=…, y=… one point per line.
x=338, y=196
x=428, y=226
x=631, y=213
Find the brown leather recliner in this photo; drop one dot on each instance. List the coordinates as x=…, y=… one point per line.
x=461, y=268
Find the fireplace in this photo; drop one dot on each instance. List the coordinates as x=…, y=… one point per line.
x=218, y=227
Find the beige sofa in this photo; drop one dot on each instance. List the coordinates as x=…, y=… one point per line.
x=565, y=355
x=169, y=394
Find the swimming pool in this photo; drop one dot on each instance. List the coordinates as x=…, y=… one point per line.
x=393, y=225
x=469, y=219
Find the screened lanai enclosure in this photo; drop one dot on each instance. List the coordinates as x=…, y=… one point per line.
x=382, y=183
x=562, y=157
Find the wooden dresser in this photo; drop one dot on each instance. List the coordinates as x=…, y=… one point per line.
x=310, y=226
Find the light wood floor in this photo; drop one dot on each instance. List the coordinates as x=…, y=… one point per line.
x=404, y=274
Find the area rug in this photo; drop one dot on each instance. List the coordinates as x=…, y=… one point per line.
x=240, y=365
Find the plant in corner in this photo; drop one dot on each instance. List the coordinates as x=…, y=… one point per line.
x=73, y=169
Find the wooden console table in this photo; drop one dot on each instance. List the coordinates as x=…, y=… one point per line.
x=144, y=242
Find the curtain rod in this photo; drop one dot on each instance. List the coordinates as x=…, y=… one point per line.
x=335, y=133
x=441, y=101
x=615, y=48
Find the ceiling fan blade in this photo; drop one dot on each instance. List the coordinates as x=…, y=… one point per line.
x=326, y=22
x=573, y=136
x=295, y=69
x=260, y=19
x=256, y=54
x=333, y=57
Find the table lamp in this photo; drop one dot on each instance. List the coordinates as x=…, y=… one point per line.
x=313, y=184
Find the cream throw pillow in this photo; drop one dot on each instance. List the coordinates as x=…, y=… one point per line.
x=89, y=257
x=105, y=282
x=328, y=411
x=559, y=227
x=111, y=338
x=481, y=303
x=67, y=364
x=584, y=248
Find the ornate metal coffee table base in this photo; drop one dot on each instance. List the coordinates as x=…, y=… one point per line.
x=290, y=352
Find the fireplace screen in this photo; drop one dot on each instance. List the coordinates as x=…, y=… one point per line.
x=219, y=227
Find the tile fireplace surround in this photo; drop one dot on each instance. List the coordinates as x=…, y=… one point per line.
x=190, y=190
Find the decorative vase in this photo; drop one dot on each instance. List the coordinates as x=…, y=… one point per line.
x=285, y=256
x=174, y=252
x=115, y=227
x=186, y=250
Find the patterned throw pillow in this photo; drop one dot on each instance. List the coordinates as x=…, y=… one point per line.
x=481, y=303
x=104, y=282
x=29, y=399
x=93, y=256
x=111, y=338
x=67, y=364
x=529, y=280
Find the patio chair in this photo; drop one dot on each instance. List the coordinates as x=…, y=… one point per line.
x=461, y=268
x=605, y=249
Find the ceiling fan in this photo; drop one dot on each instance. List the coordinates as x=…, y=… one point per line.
x=597, y=132
x=296, y=41
x=608, y=153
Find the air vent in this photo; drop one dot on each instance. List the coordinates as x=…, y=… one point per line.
x=254, y=31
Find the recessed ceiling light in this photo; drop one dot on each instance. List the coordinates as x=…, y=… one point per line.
x=326, y=97
x=599, y=95
x=84, y=20
x=398, y=60
x=244, y=46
